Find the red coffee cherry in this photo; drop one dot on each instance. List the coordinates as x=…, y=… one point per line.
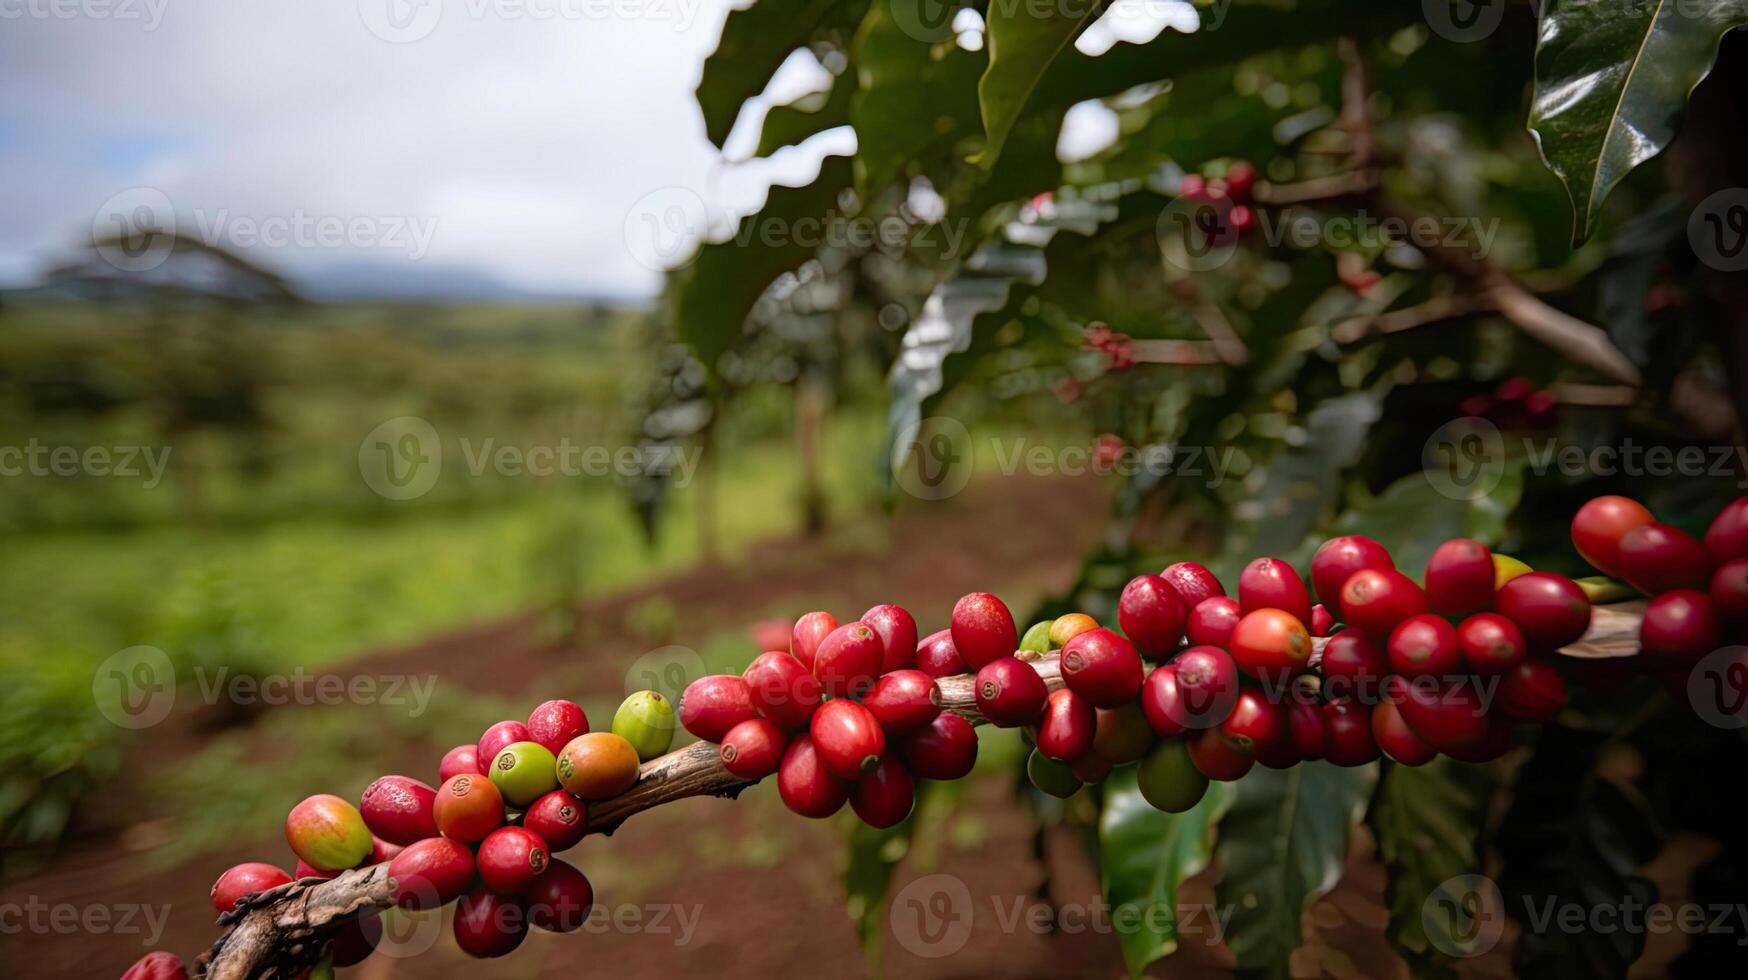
x=560, y=899
x=1396, y=739
x=1349, y=725
x=559, y=818
x=903, y=701
x=848, y=660
x=1010, y=693
x=1270, y=644
x=1727, y=538
x=847, y=738
x=1306, y=730
x=804, y=783
x=1219, y=756
x=431, y=873
x=896, y=628
x=1066, y=733
x=1658, y=558
x=1459, y=577
x=1729, y=591
x=245, y=879
x=983, y=629
x=1424, y=646
x=498, y=738
x=302, y=870
x=1551, y=610
x=808, y=632
x=1121, y=735
x=1193, y=582
x=510, y=858
x=1161, y=702
x=158, y=965
x=1269, y=583
x=1494, y=742
x=381, y=851
x=461, y=759
x=1679, y=628
x=947, y=749
x=1152, y=615
x=1532, y=691
x=398, y=809
x=555, y=723
x=782, y=688
x=1101, y=667
x=1322, y=620
x=468, y=808
x=1255, y=720
x=884, y=797
x=938, y=657
x=753, y=749
x=1338, y=558
x=1598, y=526
x=488, y=925
x=1490, y=643
x=1353, y=666
x=711, y=705
x=1443, y=713
x=1212, y=621
x=1375, y=600
x=1207, y=683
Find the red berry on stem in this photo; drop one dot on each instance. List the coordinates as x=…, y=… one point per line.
x=1598, y=526
x=510, y=858
x=1270, y=644
x=1375, y=600
x=1256, y=720
x=1010, y=693
x=398, y=809
x=847, y=738
x=559, y=818
x=303, y=870
x=983, y=629
x=1152, y=615
x=431, y=873
x=1396, y=739
x=1101, y=667
x=1679, y=628
x=885, y=796
x=1727, y=538
x=1269, y=583
x=158, y=965
x=848, y=660
x=947, y=749
x=1490, y=643
x=1532, y=691
x=1729, y=591
x=1240, y=180
x=1306, y=730
x=711, y=705
x=1212, y=620
x=1349, y=725
x=245, y=879
x=1161, y=702
x=1207, y=682
x=807, y=633
x=1193, y=581
x=1353, y=666
x=1121, y=735
x=1459, y=577
x=805, y=785
x=1493, y=743
x=488, y=925
x=468, y=808
x=1550, y=609
x=555, y=723
x=1657, y=558
x=753, y=749
x=937, y=657
x=459, y=760
x=782, y=688
x=896, y=628
x=1444, y=713
x=1424, y=646
x=498, y=738
x=1218, y=756
x=1066, y=733
x=1322, y=620
x=381, y=850
x=1338, y=558
x=559, y=900
x=903, y=701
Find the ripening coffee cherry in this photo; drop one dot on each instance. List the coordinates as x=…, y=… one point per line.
x=1306, y=730
x=711, y=705
x=1065, y=628
x=510, y=858
x=754, y=748
x=884, y=797
x=1121, y=735
x=1219, y=756
x=431, y=873
x=555, y=723
x=1207, y=682
x=903, y=701
x=1270, y=644
x=1375, y=600
x=1598, y=526
x=523, y=773
x=1727, y=538
x=983, y=629
x=848, y=660
x=488, y=925
x=896, y=628
x=245, y=879
x=398, y=809
x=1255, y=721
x=1729, y=592
x=496, y=739
x=1550, y=609
x=1322, y=620
x=459, y=760
x=1193, y=581
x=597, y=766
x=1532, y=691
x=1338, y=558
x=1212, y=621
x=1658, y=558
x=560, y=899
x=468, y=808
x=1152, y=615
x=1010, y=693
x=1349, y=724
x=1679, y=628
x=559, y=818
x=947, y=749
x=1396, y=739
x=1490, y=643
x=1444, y=714
x=847, y=738
x=1459, y=577
x=807, y=634
x=1051, y=776
x=937, y=657
x=1102, y=667
x=1066, y=733
x=327, y=833
x=804, y=783
x=158, y=965
x=782, y=689
x=1506, y=568
x=1168, y=777
x=1269, y=583
x=1424, y=646
x=1036, y=639
x=1353, y=666
x=647, y=721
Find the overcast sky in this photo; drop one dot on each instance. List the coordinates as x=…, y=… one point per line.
x=510, y=137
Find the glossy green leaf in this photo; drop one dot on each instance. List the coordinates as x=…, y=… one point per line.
x=1427, y=821
x=914, y=99
x=807, y=117
x=867, y=876
x=755, y=41
x=1611, y=82
x=1023, y=39
x=1282, y=844
x=1146, y=854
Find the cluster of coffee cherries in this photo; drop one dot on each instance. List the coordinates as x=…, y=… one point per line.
x=1514, y=404
x=1115, y=346
x=1231, y=195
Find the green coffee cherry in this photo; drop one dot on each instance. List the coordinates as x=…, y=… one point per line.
x=646, y=720
x=524, y=772
x=1050, y=776
x=1168, y=779
x=1037, y=638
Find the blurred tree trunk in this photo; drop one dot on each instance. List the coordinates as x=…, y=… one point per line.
x=809, y=434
